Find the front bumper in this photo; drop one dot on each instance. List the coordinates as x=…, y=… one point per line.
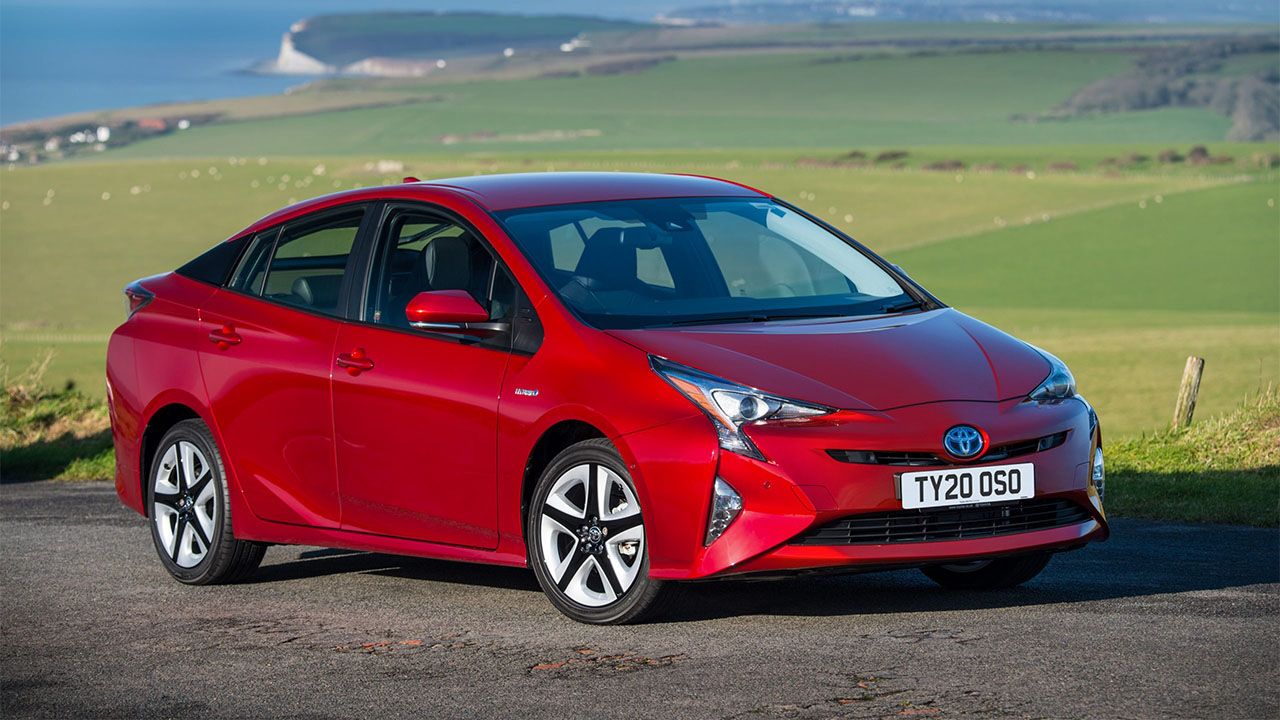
x=801, y=487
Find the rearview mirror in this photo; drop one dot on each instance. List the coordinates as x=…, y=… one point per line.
x=450, y=311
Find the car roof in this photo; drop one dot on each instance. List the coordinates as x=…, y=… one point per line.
x=496, y=193
x=519, y=190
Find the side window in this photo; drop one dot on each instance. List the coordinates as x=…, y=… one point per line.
x=252, y=269
x=419, y=252
x=310, y=260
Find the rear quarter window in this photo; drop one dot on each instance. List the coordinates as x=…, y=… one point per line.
x=215, y=264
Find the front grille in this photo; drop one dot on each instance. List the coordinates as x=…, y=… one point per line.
x=934, y=524
x=922, y=459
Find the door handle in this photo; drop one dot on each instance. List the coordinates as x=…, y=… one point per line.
x=225, y=337
x=355, y=361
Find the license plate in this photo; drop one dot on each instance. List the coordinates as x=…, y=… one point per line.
x=968, y=485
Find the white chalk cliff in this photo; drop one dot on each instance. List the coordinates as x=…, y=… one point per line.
x=292, y=61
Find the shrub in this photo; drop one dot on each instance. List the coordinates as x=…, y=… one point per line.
x=890, y=155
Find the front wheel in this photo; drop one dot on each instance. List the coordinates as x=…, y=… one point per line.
x=587, y=541
x=190, y=510
x=988, y=574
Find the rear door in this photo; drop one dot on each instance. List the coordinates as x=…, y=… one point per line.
x=417, y=428
x=267, y=364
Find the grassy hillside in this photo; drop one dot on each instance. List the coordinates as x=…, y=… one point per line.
x=741, y=101
x=1214, y=250
x=908, y=34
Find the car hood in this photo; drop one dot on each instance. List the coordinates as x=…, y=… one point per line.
x=858, y=364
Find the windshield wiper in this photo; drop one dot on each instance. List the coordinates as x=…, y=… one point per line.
x=752, y=318
x=900, y=307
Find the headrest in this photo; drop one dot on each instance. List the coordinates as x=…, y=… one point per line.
x=608, y=260
x=302, y=289
x=320, y=291
x=447, y=263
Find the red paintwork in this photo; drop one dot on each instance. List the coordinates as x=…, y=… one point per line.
x=445, y=306
x=346, y=434
x=415, y=437
x=879, y=363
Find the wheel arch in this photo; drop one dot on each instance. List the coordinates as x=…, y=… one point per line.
x=157, y=425
x=550, y=444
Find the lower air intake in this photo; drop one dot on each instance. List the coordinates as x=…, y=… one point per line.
x=934, y=524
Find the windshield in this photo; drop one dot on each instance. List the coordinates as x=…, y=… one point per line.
x=688, y=261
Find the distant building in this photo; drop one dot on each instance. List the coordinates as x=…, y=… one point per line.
x=103, y=133
x=391, y=67
x=152, y=124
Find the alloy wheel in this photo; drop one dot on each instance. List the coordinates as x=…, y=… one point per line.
x=184, y=504
x=591, y=534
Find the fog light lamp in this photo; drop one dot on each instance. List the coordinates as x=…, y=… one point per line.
x=726, y=505
x=1099, y=473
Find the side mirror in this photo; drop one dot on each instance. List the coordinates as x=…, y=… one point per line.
x=449, y=311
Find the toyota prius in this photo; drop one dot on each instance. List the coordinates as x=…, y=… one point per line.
x=625, y=382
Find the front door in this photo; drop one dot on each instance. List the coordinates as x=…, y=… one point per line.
x=415, y=413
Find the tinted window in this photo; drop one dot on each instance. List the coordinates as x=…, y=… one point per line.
x=215, y=264
x=310, y=261
x=421, y=252
x=653, y=262
x=252, y=269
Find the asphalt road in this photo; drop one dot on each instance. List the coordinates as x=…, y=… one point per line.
x=1162, y=620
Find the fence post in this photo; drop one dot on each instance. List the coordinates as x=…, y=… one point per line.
x=1190, y=387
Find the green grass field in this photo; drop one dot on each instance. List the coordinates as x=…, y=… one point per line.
x=738, y=101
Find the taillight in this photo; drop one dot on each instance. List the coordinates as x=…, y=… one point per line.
x=136, y=297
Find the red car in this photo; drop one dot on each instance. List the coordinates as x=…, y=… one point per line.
x=622, y=381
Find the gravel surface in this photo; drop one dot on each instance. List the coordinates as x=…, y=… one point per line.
x=1163, y=620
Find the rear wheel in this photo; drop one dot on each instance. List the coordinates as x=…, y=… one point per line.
x=988, y=574
x=191, y=513
x=586, y=538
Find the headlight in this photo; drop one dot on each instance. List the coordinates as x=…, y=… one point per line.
x=1058, y=386
x=730, y=405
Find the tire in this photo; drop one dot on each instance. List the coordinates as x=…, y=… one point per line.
x=593, y=566
x=988, y=574
x=191, y=516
